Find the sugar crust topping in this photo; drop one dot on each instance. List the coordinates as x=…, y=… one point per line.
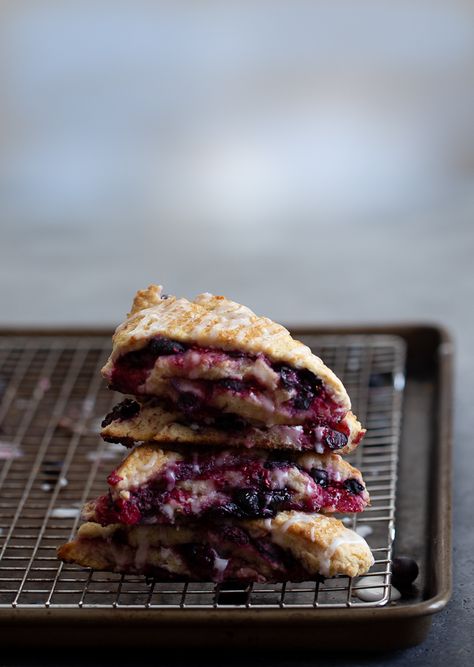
x=215, y=321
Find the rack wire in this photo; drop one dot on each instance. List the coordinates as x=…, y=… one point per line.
x=52, y=399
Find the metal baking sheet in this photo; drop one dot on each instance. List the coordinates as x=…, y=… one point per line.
x=52, y=460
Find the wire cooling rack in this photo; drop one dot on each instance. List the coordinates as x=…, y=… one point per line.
x=52, y=399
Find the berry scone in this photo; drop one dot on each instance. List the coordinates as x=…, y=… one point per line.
x=289, y=547
x=130, y=422
x=166, y=487
x=213, y=359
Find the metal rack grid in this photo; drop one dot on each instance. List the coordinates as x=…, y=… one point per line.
x=52, y=399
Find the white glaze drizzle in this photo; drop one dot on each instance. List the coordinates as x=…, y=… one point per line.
x=299, y=517
x=319, y=433
x=347, y=536
x=168, y=510
x=264, y=373
x=289, y=435
x=65, y=512
x=372, y=589
x=9, y=450
x=364, y=530
x=170, y=478
x=220, y=565
x=279, y=477
x=149, y=464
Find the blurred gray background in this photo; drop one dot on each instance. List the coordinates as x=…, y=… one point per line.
x=314, y=160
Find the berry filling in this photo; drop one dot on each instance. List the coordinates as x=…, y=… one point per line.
x=309, y=437
x=228, y=484
x=234, y=555
x=127, y=409
x=205, y=381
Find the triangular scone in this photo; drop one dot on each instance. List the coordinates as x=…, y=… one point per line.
x=215, y=322
x=290, y=547
x=153, y=485
x=212, y=356
x=131, y=422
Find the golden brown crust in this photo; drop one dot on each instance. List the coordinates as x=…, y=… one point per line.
x=154, y=423
x=146, y=298
x=79, y=551
x=93, y=547
x=322, y=543
x=143, y=463
x=214, y=321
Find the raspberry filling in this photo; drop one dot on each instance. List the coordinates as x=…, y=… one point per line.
x=216, y=486
x=202, y=382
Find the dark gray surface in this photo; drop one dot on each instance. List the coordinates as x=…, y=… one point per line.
x=419, y=270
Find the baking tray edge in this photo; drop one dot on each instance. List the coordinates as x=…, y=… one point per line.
x=389, y=627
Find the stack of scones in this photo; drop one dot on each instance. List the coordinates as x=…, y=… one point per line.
x=236, y=433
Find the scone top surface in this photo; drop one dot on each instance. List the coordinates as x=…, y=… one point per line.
x=216, y=322
x=321, y=542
